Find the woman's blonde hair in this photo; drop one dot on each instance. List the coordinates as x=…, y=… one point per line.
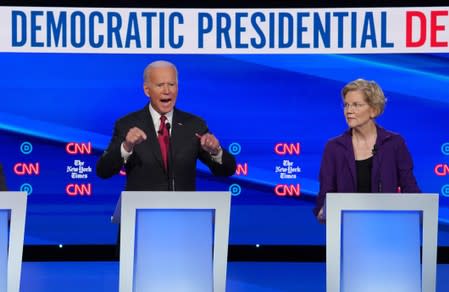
x=374, y=95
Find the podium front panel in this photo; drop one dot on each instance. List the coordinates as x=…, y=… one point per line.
x=173, y=250
x=373, y=242
x=12, y=227
x=4, y=234
x=395, y=236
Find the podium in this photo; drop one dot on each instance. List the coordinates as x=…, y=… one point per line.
x=12, y=225
x=373, y=242
x=173, y=241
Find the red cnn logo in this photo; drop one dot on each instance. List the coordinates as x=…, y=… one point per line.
x=73, y=148
x=287, y=148
x=441, y=169
x=287, y=190
x=242, y=169
x=78, y=189
x=22, y=168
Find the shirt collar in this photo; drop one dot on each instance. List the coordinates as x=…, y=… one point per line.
x=155, y=116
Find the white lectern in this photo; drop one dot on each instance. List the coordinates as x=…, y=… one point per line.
x=373, y=242
x=12, y=225
x=173, y=241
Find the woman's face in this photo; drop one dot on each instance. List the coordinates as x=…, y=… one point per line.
x=357, y=111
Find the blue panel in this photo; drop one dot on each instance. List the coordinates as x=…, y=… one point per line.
x=4, y=235
x=173, y=251
x=381, y=251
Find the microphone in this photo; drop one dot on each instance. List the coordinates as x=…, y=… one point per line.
x=167, y=125
x=374, y=151
x=171, y=169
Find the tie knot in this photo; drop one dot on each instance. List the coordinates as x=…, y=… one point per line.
x=162, y=125
x=162, y=128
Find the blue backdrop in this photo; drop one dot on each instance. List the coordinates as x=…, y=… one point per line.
x=252, y=102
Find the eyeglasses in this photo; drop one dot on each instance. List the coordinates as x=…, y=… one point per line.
x=355, y=106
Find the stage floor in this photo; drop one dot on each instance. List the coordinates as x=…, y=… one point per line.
x=242, y=277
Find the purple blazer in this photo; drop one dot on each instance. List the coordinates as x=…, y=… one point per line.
x=392, y=167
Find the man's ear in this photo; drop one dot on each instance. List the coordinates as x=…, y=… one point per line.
x=145, y=89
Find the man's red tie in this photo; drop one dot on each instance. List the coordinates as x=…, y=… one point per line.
x=163, y=138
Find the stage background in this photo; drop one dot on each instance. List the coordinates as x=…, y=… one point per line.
x=58, y=112
x=50, y=100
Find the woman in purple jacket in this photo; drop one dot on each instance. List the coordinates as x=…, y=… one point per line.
x=366, y=158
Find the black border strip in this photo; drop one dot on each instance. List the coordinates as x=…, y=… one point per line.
x=236, y=253
x=224, y=3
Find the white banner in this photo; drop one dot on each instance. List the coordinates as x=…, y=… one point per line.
x=224, y=31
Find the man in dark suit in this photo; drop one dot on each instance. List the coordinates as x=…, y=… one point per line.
x=2, y=180
x=136, y=142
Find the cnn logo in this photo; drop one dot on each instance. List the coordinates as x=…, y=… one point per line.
x=442, y=169
x=287, y=148
x=74, y=148
x=283, y=190
x=242, y=169
x=78, y=190
x=22, y=168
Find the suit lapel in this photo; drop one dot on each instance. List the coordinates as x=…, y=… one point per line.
x=176, y=133
x=377, y=159
x=151, y=143
x=375, y=172
x=350, y=158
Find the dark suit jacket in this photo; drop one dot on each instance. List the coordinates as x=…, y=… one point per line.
x=392, y=167
x=144, y=167
x=2, y=180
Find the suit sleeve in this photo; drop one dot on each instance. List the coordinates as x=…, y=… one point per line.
x=226, y=168
x=404, y=162
x=111, y=162
x=228, y=165
x=2, y=180
x=326, y=178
